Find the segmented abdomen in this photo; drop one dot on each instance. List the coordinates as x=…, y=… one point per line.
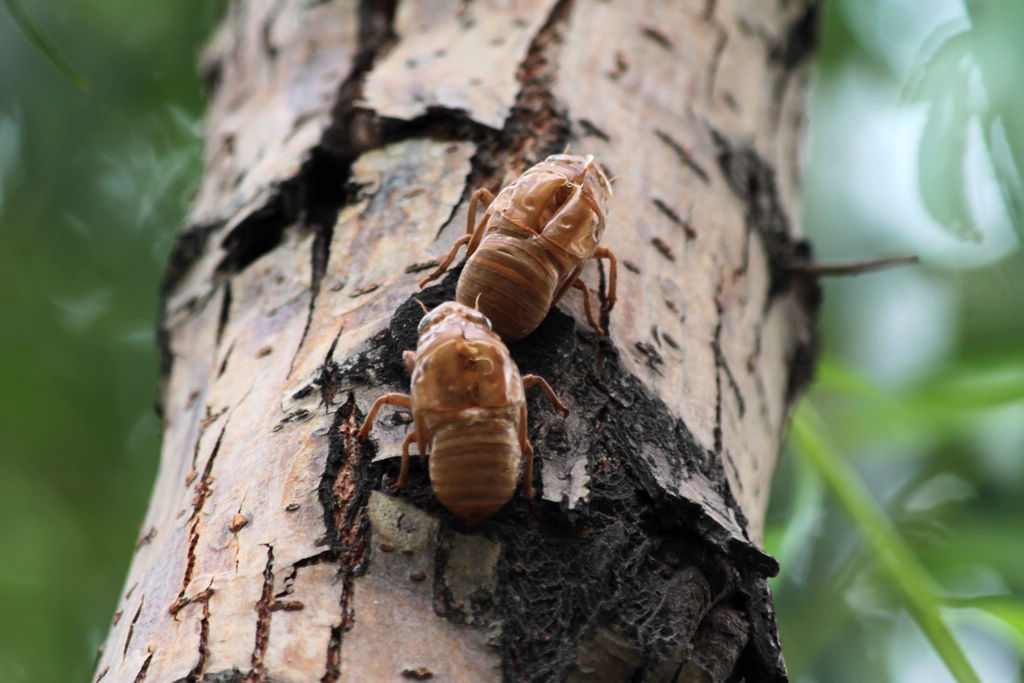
x=515, y=280
x=474, y=466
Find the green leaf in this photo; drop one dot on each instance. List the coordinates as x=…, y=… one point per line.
x=943, y=404
x=1006, y=167
x=44, y=44
x=916, y=588
x=1007, y=609
x=930, y=74
x=940, y=162
x=987, y=381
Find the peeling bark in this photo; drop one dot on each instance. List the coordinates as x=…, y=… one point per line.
x=344, y=141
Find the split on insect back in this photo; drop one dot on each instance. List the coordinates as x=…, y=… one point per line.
x=469, y=413
x=532, y=242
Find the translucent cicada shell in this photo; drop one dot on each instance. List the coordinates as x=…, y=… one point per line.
x=532, y=242
x=469, y=413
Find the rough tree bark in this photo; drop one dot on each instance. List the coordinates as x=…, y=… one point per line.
x=344, y=140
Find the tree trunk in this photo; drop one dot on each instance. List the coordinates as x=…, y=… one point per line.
x=344, y=140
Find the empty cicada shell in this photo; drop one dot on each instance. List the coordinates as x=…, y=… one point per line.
x=469, y=413
x=532, y=242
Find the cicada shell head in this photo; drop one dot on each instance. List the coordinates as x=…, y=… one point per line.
x=461, y=362
x=453, y=318
x=583, y=171
x=578, y=220
x=532, y=199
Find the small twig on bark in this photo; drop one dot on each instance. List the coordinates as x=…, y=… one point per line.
x=850, y=267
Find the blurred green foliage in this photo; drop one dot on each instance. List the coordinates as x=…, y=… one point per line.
x=28, y=27
x=966, y=76
x=897, y=515
x=92, y=188
x=916, y=125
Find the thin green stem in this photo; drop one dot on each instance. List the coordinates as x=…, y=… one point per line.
x=44, y=44
x=919, y=592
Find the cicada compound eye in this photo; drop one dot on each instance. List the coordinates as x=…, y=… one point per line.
x=478, y=317
x=425, y=322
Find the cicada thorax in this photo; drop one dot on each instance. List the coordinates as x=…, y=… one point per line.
x=539, y=231
x=456, y=374
x=475, y=458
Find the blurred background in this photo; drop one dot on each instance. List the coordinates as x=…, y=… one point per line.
x=93, y=187
x=898, y=508
x=897, y=515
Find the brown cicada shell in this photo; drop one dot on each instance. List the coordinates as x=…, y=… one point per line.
x=532, y=243
x=469, y=413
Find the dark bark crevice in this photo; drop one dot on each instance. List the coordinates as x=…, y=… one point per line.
x=311, y=200
x=259, y=232
x=716, y=348
x=344, y=493
x=144, y=669
x=800, y=40
x=188, y=247
x=196, y=673
x=753, y=180
x=796, y=47
x=222, y=319
x=131, y=626
x=670, y=213
x=263, y=608
x=199, y=500
x=685, y=156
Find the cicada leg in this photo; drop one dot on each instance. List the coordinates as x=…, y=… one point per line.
x=580, y=285
x=537, y=380
x=474, y=234
x=446, y=261
x=524, y=443
x=472, y=227
x=399, y=400
x=613, y=267
x=403, y=472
